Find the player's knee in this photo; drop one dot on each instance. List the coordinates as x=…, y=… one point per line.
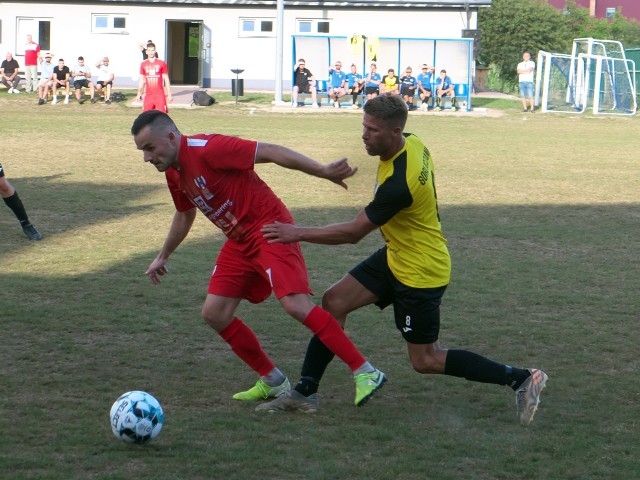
x=424, y=364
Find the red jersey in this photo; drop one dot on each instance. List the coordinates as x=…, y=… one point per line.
x=31, y=51
x=217, y=175
x=153, y=72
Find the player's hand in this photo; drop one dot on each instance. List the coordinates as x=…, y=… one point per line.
x=156, y=270
x=338, y=171
x=279, y=232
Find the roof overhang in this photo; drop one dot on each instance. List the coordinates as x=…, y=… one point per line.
x=372, y=4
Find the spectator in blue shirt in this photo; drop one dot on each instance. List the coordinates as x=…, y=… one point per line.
x=355, y=84
x=425, y=79
x=337, y=80
x=408, y=85
x=372, y=85
x=445, y=87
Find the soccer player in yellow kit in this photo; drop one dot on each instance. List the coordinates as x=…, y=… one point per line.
x=411, y=272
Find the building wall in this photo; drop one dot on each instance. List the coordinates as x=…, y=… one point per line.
x=71, y=35
x=630, y=8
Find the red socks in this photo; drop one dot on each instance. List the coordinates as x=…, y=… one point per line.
x=245, y=345
x=329, y=331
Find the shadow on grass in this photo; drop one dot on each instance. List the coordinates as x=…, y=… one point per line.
x=551, y=286
x=57, y=206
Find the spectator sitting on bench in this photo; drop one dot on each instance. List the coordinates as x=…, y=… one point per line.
x=408, y=85
x=303, y=82
x=372, y=85
x=105, y=79
x=425, y=79
x=61, y=75
x=355, y=84
x=444, y=87
x=81, y=74
x=46, y=78
x=9, y=73
x=389, y=84
x=337, y=79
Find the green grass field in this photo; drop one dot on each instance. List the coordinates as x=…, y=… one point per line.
x=542, y=214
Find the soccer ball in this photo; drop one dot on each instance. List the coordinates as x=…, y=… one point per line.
x=136, y=417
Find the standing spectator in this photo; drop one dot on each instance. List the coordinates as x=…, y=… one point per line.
x=444, y=88
x=525, y=71
x=31, y=60
x=389, y=84
x=372, y=85
x=425, y=79
x=81, y=74
x=9, y=73
x=105, y=79
x=355, y=85
x=61, y=76
x=303, y=82
x=408, y=85
x=46, y=78
x=410, y=271
x=154, y=81
x=337, y=79
x=216, y=174
x=12, y=200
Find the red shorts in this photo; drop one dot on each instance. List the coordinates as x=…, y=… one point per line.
x=277, y=267
x=155, y=102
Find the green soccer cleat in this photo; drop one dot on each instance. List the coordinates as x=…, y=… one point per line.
x=262, y=391
x=367, y=384
x=292, y=401
x=528, y=395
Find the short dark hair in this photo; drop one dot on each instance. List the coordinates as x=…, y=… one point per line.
x=154, y=118
x=151, y=44
x=390, y=108
x=80, y=57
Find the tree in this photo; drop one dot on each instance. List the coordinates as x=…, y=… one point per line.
x=511, y=26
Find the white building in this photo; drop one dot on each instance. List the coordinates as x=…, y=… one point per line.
x=203, y=40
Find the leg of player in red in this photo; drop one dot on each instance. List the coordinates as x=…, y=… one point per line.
x=236, y=276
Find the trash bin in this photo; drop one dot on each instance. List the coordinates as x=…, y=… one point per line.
x=237, y=87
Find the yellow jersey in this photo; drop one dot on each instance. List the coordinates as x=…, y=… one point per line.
x=405, y=206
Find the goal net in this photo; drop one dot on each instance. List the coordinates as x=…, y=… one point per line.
x=596, y=75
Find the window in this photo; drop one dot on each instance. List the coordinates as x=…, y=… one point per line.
x=611, y=12
x=39, y=29
x=108, y=23
x=256, y=27
x=312, y=26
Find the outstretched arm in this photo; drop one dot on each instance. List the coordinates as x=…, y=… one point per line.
x=334, y=234
x=336, y=172
x=180, y=226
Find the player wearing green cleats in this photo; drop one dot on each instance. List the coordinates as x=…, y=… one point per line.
x=367, y=384
x=262, y=391
x=294, y=401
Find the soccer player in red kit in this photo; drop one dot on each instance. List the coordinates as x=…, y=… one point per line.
x=215, y=173
x=154, y=81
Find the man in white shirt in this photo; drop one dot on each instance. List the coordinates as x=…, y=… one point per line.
x=525, y=71
x=105, y=79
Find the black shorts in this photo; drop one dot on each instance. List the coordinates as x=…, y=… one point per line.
x=406, y=90
x=306, y=88
x=1, y=171
x=416, y=310
x=78, y=84
x=103, y=84
x=372, y=90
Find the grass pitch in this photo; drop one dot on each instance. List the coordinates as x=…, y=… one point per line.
x=541, y=213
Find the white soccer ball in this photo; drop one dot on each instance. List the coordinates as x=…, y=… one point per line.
x=136, y=417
